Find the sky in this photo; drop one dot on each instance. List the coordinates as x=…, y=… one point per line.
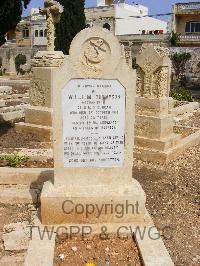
x=155, y=6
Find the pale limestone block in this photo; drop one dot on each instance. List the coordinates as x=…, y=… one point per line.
x=154, y=72
x=16, y=237
x=38, y=115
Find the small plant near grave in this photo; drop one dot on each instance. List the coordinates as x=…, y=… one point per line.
x=175, y=38
x=179, y=61
x=13, y=160
x=134, y=63
x=181, y=94
x=1, y=63
x=20, y=59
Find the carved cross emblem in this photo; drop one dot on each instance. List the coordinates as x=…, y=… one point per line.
x=53, y=10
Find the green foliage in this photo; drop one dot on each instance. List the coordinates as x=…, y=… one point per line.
x=10, y=16
x=20, y=59
x=72, y=21
x=13, y=160
x=179, y=61
x=2, y=72
x=175, y=38
x=134, y=63
x=181, y=94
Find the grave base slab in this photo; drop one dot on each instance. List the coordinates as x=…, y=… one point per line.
x=165, y=156
x=38, y=115
x=43, y=131
x=116, y=203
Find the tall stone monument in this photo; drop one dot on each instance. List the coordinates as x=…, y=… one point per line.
x=155, y=138
x=93, y=134
x=38, y=117
x=53, y=10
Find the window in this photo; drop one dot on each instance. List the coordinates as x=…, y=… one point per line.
x=36, y=33
x=192, y=27
x=106, y=26
x=41, y=33
x=45, y=33
x=25, y=33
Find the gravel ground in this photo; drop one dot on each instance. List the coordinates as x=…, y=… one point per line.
x=10, y=139
x=79, y=252
x=173, y=200
x=194, y=120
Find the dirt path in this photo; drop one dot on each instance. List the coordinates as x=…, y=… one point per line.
x=173, y=200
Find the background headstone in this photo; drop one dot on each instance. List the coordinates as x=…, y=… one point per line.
x=155, y=139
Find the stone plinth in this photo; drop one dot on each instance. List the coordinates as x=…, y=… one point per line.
x=38, y=117
x=125, y=203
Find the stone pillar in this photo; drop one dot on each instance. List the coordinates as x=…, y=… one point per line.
x=38, y=117
x=154, y=125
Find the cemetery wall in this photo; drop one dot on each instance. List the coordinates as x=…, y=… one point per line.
x=192, y=69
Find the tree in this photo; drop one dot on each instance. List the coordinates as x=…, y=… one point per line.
x=20, y=59
x=179, y=61
x=175, y=38
x=10, y=16
x=72, y=21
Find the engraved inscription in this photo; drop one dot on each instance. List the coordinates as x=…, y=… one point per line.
x=93, y=123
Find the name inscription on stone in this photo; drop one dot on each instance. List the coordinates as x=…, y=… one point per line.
x=93, y=123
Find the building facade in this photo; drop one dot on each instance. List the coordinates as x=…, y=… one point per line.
x=124, y=19
x=38, y=29
x=30, y=32
x=186, y=22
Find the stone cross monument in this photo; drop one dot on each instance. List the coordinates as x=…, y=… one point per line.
x=155, y=139
x=53, y=10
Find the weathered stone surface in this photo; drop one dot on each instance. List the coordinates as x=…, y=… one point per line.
x=38, y=115
x=25, y=176
x=38, y=118
x=154, y=72
x=44, y=131
x=40, y=251
x=11, y=105
x=18, y=194
x=48, y=59
x=16, y=236
x=15, y=260
x=155, y=139
x=53, y=11
x=5, y=90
